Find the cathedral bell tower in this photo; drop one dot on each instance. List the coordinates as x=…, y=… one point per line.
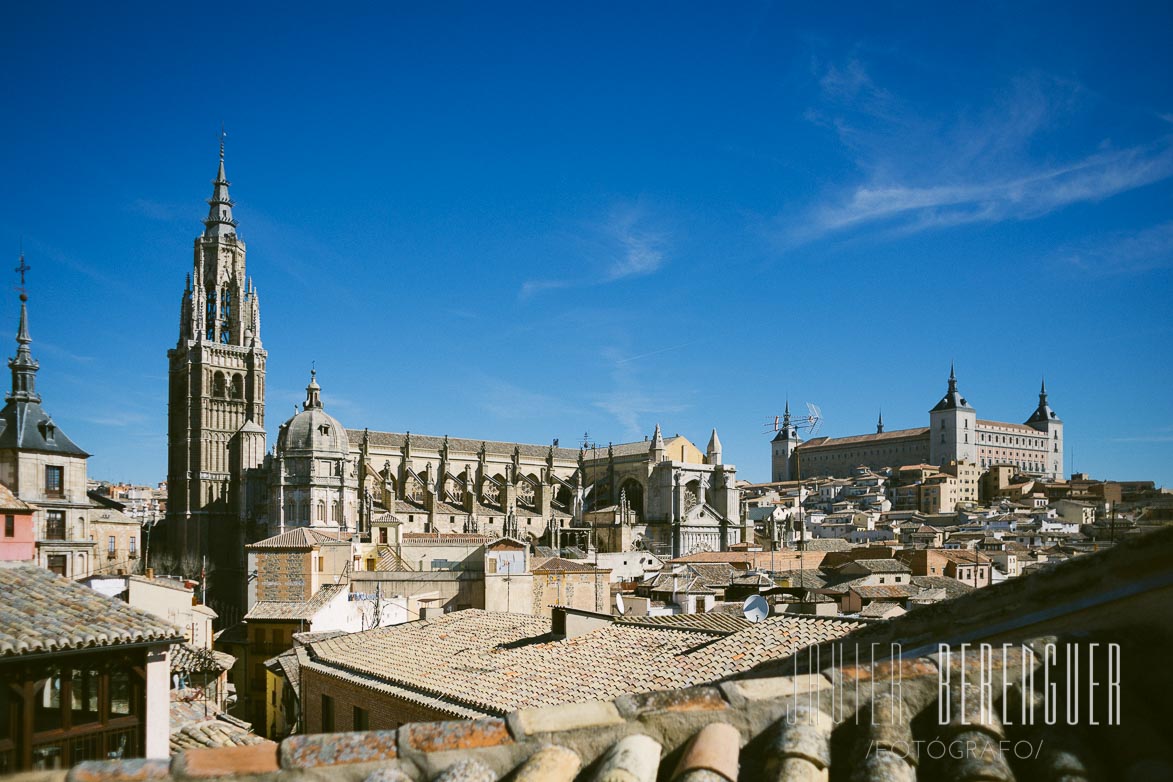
x=216, y=406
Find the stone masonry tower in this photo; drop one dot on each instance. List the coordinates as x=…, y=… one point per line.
x=953, y=425
x=216, y=407
x=1046, y=421
x=782, y=449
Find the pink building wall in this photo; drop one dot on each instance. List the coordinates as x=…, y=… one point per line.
x=21, y=545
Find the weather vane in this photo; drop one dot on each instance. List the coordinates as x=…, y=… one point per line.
x=223, y=135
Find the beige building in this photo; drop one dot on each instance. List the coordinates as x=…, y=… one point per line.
x=954, y=433
x=569, y=583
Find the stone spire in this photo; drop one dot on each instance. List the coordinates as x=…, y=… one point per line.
x=313, y=392
x=219, y=222
x=24, y=366
x=952, y=400
x=1043, y=412
x=657, y=448
x=787, y=431
x=880, y=423
x=713, y=452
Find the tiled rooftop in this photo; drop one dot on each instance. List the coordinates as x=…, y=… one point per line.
x=444, y=537
x=186, y=658
x=779, y=723
x=494, y=662
x=300, y=537
x=293, y=610
x=715, y=623
x=10, y=502
x=895, y=434
x=562, y=565
x=43, y=612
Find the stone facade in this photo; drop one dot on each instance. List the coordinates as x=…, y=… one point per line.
x=312, y=475
x=216, y=408
x=954, y=434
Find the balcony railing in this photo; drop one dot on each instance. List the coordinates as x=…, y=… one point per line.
x=125, y=742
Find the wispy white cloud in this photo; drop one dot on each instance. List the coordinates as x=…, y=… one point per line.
x=509, y=401
x=651, y=353
x=624, y=246
x=1120, y=252
x=982, y=165
x=634, y=404
x=1094, y=178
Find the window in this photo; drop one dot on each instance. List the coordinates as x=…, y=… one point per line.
x=110, y=546
x=54, y=481
x=321, y=564
x=361, y=720
x=382, y=534
x=225, y=316
x=9, y=526
x=57, y=564
x=54, y=525
x=327, y=714
x=133, y=545
x=210, y=318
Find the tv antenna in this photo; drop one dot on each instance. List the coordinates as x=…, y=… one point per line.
x=755, y=608
x=810, y=422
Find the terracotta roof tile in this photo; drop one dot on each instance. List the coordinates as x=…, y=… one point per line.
x=43, y=612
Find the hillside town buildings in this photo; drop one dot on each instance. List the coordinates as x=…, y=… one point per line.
x=363, y=580
x=954, y=434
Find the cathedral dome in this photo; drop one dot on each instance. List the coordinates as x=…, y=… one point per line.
x=313, y=429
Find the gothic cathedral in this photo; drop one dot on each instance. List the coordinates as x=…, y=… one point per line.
x=216, y=408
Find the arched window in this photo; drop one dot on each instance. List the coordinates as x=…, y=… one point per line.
x=225, y=316
x=218, y=387
x=321, y=511
x=237, y=387
x=210, y=318
x=338, y=512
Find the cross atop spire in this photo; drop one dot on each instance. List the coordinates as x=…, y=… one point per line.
x=24, y=367
x=22, y=269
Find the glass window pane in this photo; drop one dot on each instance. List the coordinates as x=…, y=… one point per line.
x=84, y=695
x=47, y=713
x=121, y=694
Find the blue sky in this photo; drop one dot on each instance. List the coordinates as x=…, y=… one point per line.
x=523, y=222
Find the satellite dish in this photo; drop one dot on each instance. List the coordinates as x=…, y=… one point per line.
x=755, y=608
x=622, y=609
